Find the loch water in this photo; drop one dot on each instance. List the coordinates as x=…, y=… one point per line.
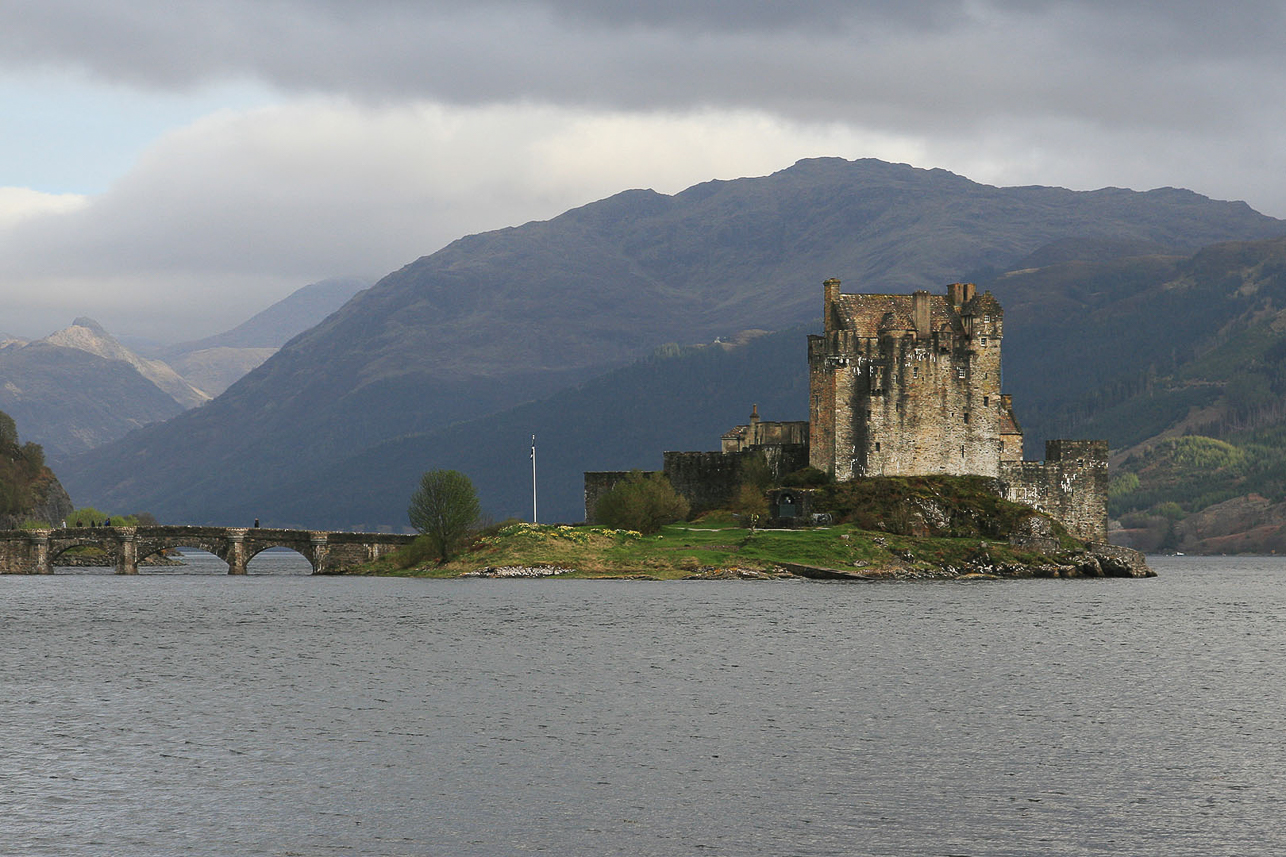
x=275, y=714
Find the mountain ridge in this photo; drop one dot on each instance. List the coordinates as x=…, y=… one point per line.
x=499, y=318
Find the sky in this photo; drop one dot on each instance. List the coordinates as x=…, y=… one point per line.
x=171, y=167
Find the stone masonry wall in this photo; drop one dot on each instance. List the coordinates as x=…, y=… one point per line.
x=709, y=480
x=913, y=394
x=1070, y=485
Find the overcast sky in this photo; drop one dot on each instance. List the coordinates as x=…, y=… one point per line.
x=170, y=167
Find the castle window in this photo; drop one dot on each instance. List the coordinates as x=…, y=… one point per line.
x=966, y=416
x=986, y=400
x=960, y=372
x=877, y=446
x=984, y=340
x=962, y=452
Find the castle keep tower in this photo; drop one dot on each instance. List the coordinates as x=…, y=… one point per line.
x=909, y=385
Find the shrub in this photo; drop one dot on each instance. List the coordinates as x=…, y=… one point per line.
x=642, y=501
x=416, y=553
x=750, y=504
x=809, y=477
x=86, y=517
x=1122, y=484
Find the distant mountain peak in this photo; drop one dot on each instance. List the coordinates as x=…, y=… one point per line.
x=87, y=335
x=88, y=323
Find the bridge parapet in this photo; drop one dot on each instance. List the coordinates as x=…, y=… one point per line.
x=37, y=551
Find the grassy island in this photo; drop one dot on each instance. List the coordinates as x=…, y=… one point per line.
x=903, y=528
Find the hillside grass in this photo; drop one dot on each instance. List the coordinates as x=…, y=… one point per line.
x=705, y=547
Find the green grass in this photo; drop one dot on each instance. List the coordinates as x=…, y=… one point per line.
x=684, y=549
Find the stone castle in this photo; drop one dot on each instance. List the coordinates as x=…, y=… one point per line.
x=904, y=385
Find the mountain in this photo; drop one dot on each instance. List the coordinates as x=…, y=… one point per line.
x=1180, y=362
x=70, y=401
x=675, y=399
x=216, y=362
x=498, y=319
x=87, y=335
x=78, y=388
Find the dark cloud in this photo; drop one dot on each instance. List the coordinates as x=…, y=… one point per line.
x=818, y=57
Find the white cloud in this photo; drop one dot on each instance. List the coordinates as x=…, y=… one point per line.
x=233, y=212
x=19, y=203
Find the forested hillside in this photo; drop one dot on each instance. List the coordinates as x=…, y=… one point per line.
x=29, y=492
x=1178, y=360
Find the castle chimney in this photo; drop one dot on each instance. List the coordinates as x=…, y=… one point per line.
x=920, y=314
x=830, y=297
x=960, y=294
x=754, y=425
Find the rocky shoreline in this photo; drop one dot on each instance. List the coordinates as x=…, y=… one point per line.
x=518, y=571
x=1095, y=561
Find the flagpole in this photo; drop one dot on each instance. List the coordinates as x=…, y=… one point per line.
x=533, y=479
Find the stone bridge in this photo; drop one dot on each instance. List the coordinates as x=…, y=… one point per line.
x=37, y=551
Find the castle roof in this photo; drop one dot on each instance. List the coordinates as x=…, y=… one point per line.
x=1009, y=425
x=871, y=315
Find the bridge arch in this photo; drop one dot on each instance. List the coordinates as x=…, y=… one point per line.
x=280, y=556
x=108, y=543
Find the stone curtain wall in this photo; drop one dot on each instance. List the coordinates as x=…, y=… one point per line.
x=1070, y=485
x=709, y=480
